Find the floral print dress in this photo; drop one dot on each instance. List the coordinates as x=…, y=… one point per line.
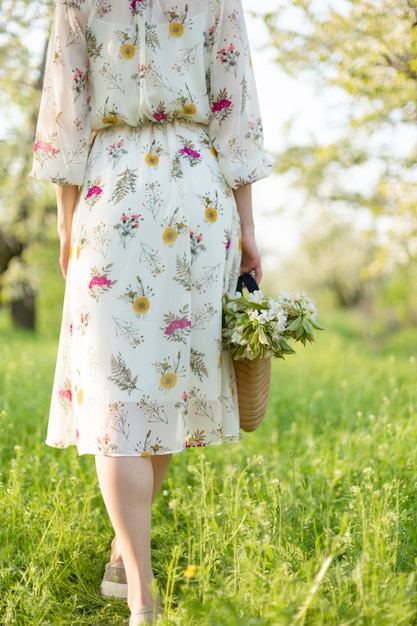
x=149, y=106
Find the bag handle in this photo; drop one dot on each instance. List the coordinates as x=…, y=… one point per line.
x=248, y=281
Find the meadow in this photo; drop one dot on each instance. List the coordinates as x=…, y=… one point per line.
x=311, y=520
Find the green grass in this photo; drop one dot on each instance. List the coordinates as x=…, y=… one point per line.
x=309, y=520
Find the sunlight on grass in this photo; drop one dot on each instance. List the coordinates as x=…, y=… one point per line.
x=309, y=520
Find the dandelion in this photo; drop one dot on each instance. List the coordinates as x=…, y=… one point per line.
x=176, y=29
x=189, y=109
x=152, y=159
x=168, y=380
x=127, y=51
x=141, y=305
x=169, y=235
x=211, y=214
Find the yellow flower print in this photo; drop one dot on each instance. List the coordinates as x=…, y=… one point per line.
x=80, y=396
x=141, y=305
x=70, y=252
x=213, y=151
x=176, y=29
x=211, y=214
x=169, y=235
x=239, y=245
x=127, y=51
x=152, y=159
x=78, y=252
x=110, y=119
x=189, y=109
x=168, y=380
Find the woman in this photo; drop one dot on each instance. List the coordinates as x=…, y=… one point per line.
x=150, y=129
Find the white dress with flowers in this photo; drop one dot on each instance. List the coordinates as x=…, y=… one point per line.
x=149, y=106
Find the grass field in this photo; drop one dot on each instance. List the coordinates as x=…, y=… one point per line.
x=309, y=520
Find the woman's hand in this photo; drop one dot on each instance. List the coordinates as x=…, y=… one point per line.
x=251, y=260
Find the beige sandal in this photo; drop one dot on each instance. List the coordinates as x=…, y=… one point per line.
x=114, y=583
x=146, y=616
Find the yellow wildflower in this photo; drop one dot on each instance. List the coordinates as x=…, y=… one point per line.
x=127, y=51
x=211, y=214
x=151, y=159
x=190, y=571
x=189, y=109
x=110, y=119
x=141, y=305
x=176, y=29
x=168, y=380
x=169, y=235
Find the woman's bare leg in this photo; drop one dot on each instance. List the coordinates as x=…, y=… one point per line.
x=127, y=485
x=160, y=466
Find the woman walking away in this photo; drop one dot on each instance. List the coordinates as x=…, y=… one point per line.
x=150, y=129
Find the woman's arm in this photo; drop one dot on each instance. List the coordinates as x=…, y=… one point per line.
x=66, y=198
x=251, y=260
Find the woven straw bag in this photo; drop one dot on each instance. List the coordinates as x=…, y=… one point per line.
x=253, y=379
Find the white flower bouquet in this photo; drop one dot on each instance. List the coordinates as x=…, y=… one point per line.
x=259, y=327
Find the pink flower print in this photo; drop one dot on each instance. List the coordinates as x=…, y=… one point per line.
x=135, y=220
x=196, y=244
x=78, y=82
x=65, y=394
x=42, y=146
x=71, y=328
x=221, y=104
x=128, y=227
x=99, y=281
x=195, y=444
x=190, y=153
x=177, y=325
x=160, y=116
x=134, y=3
x=228, y=245
x=77, y=434
x=95, y=190
x=229, y=57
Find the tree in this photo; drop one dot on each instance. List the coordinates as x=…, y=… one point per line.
x=23, y=40
x=367, y=50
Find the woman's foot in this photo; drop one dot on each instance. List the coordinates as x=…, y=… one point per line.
x=147, y=615
x=114, y=583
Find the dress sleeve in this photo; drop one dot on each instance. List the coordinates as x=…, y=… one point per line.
x=236, y=125
x=63, y=133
